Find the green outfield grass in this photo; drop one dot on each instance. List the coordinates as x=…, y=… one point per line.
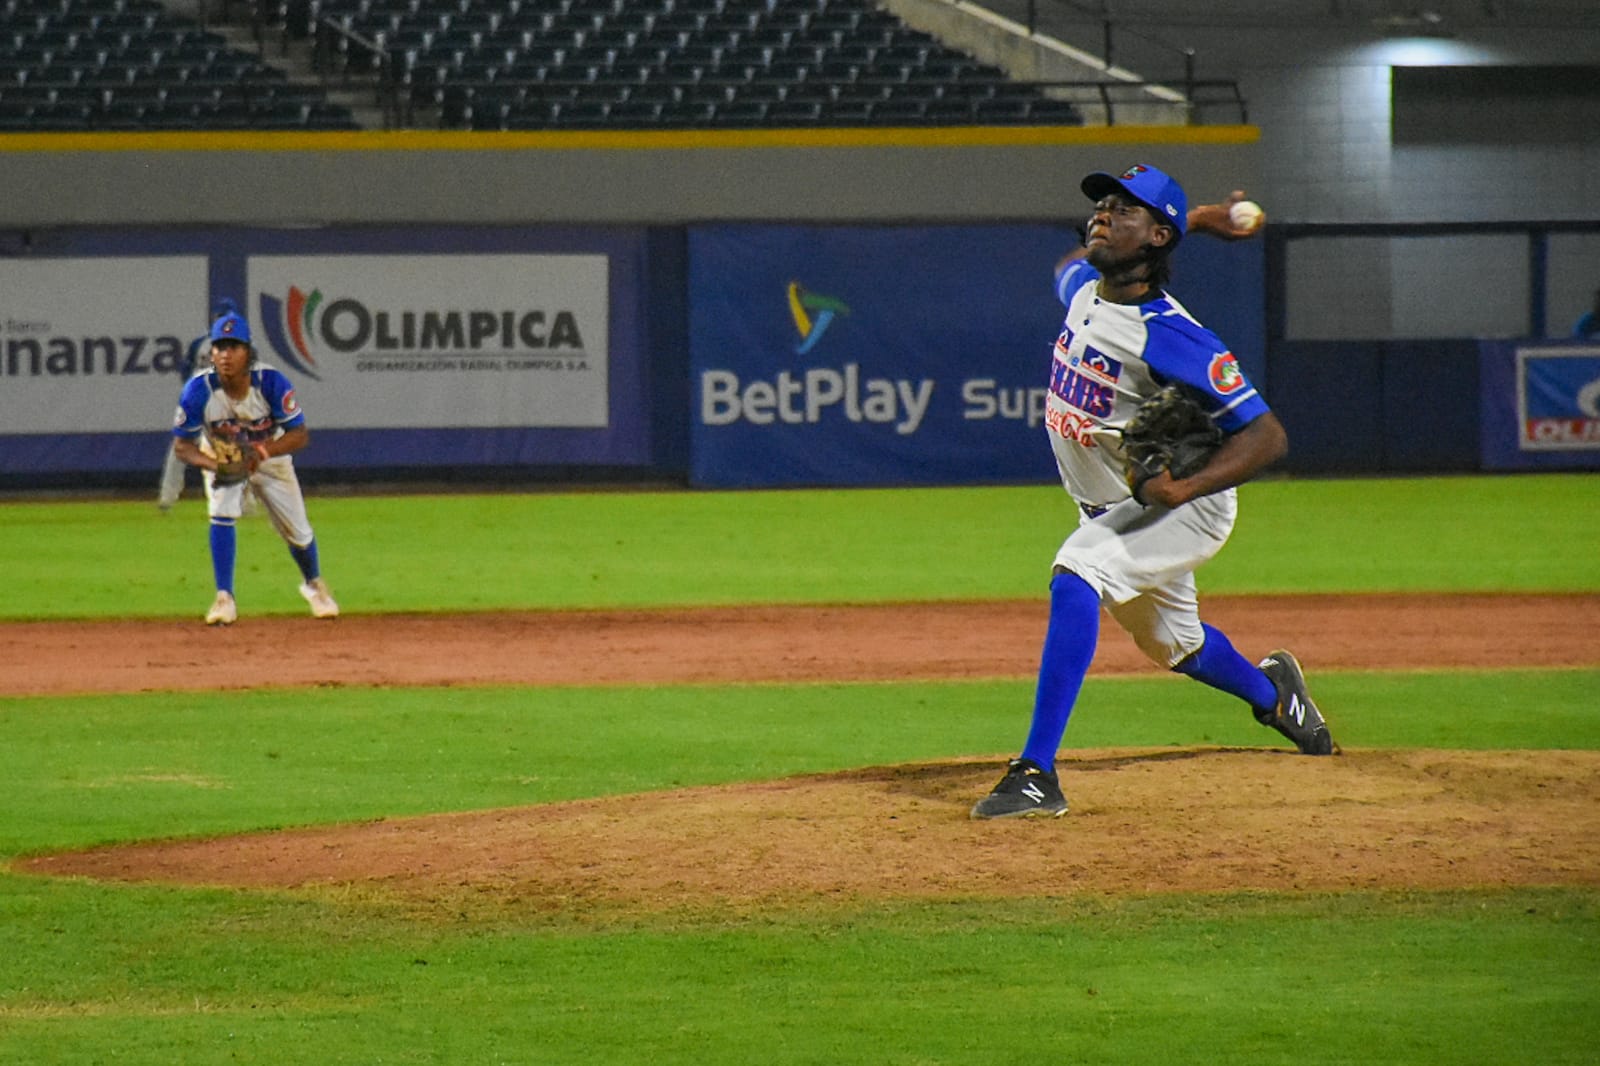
x=453, y=553
x=101, y=973
x=146, y=975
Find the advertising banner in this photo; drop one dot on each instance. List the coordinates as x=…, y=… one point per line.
x=888, y=355
x=96, y=345
x=433, y=341
x=409, y=347
x=867, y=355
x=1540, y=406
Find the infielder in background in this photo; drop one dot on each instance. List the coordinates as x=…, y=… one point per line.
x=1134, y=555
x=239, y=423
x=173, y=468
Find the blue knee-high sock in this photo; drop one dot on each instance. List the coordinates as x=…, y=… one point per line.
x=224, y=547
x=1069, y=643
x=306, y=559
x=1221, y=667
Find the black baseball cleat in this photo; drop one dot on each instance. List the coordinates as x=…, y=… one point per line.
x=1295, y=716
x=1027, y=791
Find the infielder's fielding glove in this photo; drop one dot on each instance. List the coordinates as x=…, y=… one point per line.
x=1169, y=431
x=232, y=464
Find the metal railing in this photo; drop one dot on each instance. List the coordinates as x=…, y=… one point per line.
x=1110, y=95
x=222, y=11
x=1110, y=32
x=337, y=52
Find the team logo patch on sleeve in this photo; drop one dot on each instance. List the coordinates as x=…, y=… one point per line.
x=1225, y=374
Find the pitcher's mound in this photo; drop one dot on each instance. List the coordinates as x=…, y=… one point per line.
x=1142, y=820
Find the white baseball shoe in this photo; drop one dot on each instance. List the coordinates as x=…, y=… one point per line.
x=223, y=610
x=317, y=595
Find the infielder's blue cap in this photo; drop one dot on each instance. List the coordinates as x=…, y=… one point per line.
x=231, y=327
x=1157, y=191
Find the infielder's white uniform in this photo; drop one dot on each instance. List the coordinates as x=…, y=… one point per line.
x=1108, y=360
x=269, y=409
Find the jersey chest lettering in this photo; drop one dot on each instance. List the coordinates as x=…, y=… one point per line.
x=246, y=419
x=1086, y=382
x=241, y=430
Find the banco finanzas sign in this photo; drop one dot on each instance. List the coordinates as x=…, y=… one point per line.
x=96, y=344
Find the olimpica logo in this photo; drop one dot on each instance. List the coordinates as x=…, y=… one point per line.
x=813, y=313
x=303, y=325
x=288, y=323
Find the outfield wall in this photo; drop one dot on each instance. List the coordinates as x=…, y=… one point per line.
x=729, y=355
x=736, y=354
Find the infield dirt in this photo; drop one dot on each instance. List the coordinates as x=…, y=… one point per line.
x=1147, y=820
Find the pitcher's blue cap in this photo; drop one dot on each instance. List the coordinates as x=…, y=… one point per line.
x=1150, y=187
x=231, y=327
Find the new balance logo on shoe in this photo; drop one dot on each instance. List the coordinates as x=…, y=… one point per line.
x=1027, y=790
x=1295, y=715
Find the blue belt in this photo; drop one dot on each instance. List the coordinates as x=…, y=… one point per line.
x=1091, y=511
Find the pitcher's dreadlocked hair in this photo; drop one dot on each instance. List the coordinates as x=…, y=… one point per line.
x=1158, y=265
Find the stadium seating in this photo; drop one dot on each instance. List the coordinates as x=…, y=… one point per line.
x=504, y=64
x=716, y=63
x=131, y=65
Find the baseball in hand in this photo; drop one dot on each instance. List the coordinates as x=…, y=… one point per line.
x=1245, y=215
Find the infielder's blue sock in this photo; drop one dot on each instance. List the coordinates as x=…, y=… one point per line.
x=224, y=547
x=306, y=559
x=1069, y=643
x=1221, y=667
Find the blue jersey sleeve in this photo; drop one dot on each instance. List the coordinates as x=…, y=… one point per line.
x=190, y=418
x=279, y=394
x=1182, y=351
x=1072, y=277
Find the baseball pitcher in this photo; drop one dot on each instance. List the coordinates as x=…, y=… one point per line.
x=1130, y=366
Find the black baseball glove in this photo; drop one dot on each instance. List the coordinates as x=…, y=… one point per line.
x=1169, y=431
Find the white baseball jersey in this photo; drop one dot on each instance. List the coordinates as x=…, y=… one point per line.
x=267, y=410
x=1108, y=360
x=1112, y=357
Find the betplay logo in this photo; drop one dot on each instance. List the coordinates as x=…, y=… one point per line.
x=810, y=396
